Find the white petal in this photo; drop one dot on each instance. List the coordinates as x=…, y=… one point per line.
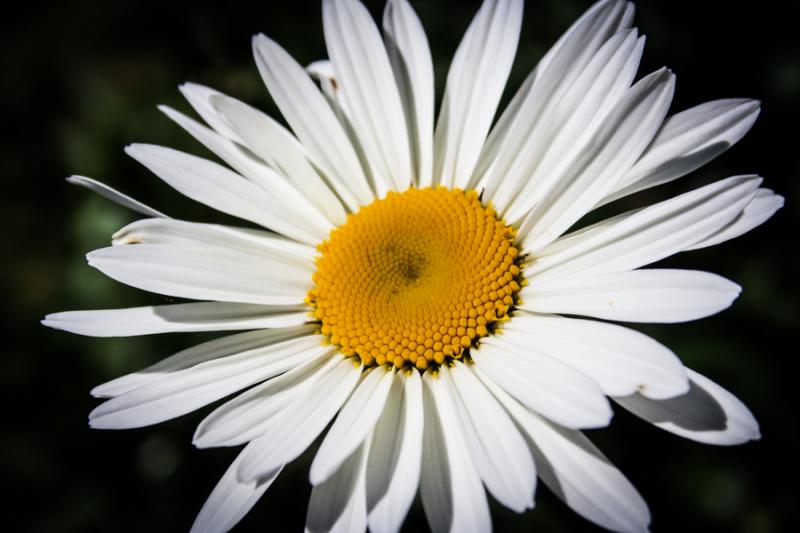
x=199, y=96
x=395, y=456
x=656, y=295
x=230, y=501
x=244, y=417
x=203, y=273
x=199, y=316
x=322, y=72
x=617, y=358
x=412, y=65
x=369, y=89
x=313, y=121
x=294, y=429
x=495, y=445
x=475, y=84
x=282, y=151
x=224, y=190
x=450, y=487
x=649, y=234
x=184, y=391
x=233, y=153
x=545, y=384
x=584, y=164
x=245, y=240
x=533, y=106
x=339, y=504
x=707, y=413
x=687, y=141
x=115, y=196
x=763, y=205
x=354, y=422
x=195, y=355
x=577, y=472
x=559, y=119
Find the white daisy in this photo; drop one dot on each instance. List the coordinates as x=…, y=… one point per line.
x=409, y=283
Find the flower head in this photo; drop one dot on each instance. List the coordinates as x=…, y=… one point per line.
x=407, y=284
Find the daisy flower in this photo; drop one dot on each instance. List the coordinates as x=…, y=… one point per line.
x=430, y=294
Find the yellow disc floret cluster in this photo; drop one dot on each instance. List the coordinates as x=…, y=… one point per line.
x=416, y=278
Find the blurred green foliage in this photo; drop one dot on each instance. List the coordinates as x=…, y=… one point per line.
x=81, y=80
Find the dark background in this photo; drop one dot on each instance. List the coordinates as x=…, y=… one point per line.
x=81, y=80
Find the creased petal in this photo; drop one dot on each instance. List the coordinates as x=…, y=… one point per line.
x=577, y=472
x=195, y=355
x=450, y=487
x=296, y=427
x=617, y=358
x=339, y=504
x=395, y=455
x=763, y=205
x=475, y=83
x=313, y=121
x=376, y=112
x=284, y=211
x=230, y=501
x=495, y=445
x=687, y=141
x=353, y=424
x=545, y=99
x=412, y=65
x=199, y=316
x=646, y=235
x=184, y=391
x=707, y=413
x=545, y=384
x=268, y=139
x=575, y=175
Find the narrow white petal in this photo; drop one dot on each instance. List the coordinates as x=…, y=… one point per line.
x=115, y=196
x=475, y=84
x=249, y=241
x=222, y=189
x=656, y=295
x=395, y=456
x=197, y=316
x=294, y=429
x=184, y=391
x=545, y=384
x=368, y=86
x=354, y=422
x=204, y=272
x=763, y=205
x=539, y=107
x=245, y=417
x=339, y=504
x=450, y=487
x=230, y=501
x=617, y=358
x=707, y=413
x=313, y=121
x=242, y=160
x=584, y=164
x=412, y=65
x=559, y=120
x=195, y=355
x=495, y=445
x=268, y=139
x=577, y=472
x=199, y=96
x=649, y=234
x=687, y=141
x=322, y=72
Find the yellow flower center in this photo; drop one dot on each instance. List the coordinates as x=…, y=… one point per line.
x=416, y=278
